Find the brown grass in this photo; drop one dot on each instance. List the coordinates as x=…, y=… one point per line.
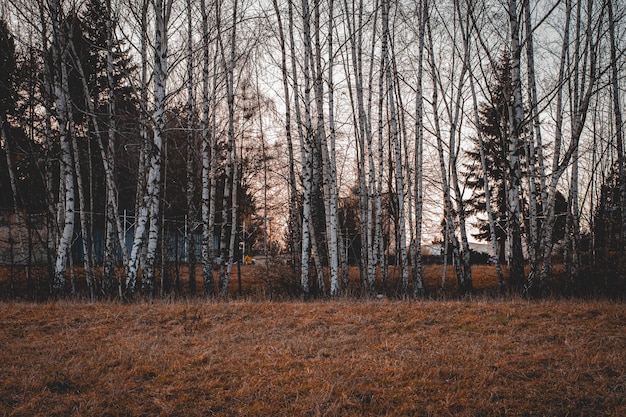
x=339, y=358
x=278, y=283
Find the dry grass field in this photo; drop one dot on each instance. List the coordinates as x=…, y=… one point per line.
x=336, y=358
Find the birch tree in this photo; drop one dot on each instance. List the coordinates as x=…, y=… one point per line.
x=418, y=280
x=514, y=169
x=293, y=194
x=306, y=150
x=534, y=146
x=586, y=88
x=149, y=214
x=191, y=166
x=449, y=228
x=396, y=144
x=367, y=178
x=60, y=52
x=230, y=191
x=332, y=167
x=208, y=160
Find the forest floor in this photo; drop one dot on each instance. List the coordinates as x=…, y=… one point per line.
x=480, y=357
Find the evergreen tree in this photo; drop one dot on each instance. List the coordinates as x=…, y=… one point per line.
x=607, y=216
x=494, y=126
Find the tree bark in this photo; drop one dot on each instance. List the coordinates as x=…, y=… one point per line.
x=190, y=239
x=516, y=278
x=619, y=137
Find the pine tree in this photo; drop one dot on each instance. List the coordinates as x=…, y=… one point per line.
x=494, y=127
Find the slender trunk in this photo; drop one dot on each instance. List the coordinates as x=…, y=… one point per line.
x=558, y=138
x=114, y=228
x=586, y=89
x=293, y=193
x=366, y=171
x=233, y=230
x=227, y=245
x=67, y=177
x=49, y=87
x=410, y=255
x=112, y=211
x=533, y=151
x=449, y=233
x=127, y=289
x=418, y=280
x=191, y=166
x=149, y=210
x=144, y=127
x=207, y=232
x=617, y=114
x=514, y=168
x=397, y=148
x=208, y=164
x=304, y=251
x=321, y=145
x=81, y=204
x=160, y=75
x=66, y=188
x=375, y=185
x=456, y=129
x=333, y=243
x=79, y=177
x=307, y=154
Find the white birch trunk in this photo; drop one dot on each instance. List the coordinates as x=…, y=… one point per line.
x=514, y=170
x=47, y=87
x=67, y=177
x=230, y=193
x=366, y=171
x=332, y=180
x=162, y=12
x=208, y=174
x=148, y=217
x=586, y=89
x=144, y=123
x=375, y=186
x=379, y=192
x=191, y=150
x=397, y=146
x=533, y=150
x=449, y=233
x=418, y=280
x=81, y=204
x=307, y=155
x=66, y=188
x=456, y=129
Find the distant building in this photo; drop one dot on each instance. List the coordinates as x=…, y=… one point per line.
x=22, y=238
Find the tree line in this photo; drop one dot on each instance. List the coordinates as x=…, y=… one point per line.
x=340, y=132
